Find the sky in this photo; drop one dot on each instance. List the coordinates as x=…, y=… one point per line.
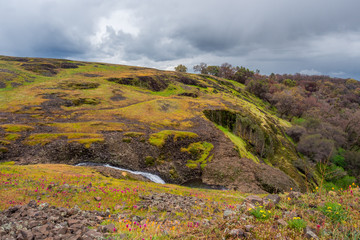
x=280, y=36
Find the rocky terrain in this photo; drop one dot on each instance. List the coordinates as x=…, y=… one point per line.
x=33, y=221
x=55, y=201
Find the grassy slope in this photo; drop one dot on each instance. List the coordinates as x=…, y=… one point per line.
x=141, y=107
x=79, y=185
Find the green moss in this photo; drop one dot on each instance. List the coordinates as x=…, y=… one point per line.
x=203, y=165
x=45, y=138
x=127, y=140
x=192, y=165
x=149, y=160
x=3, y=142
x=7, y=163
x=169, y=91
x=173, y=173
x=3, y=149
x=88, y=141
x=133, y=134
x=239, y=143
x=16, y=127
x=41, y=138
x=158, y=139
x=200, y=151
x=88, y=127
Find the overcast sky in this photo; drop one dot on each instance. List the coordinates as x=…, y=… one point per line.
x=281, y=36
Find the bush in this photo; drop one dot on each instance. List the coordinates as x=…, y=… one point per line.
x=297, y=223
x=334, y=211
x=316, y=147
x=260, y=213
x=338, y=158
x=295, y=132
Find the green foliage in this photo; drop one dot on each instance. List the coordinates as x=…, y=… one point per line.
x=260, y=213
x=159, y=139
x=337, y=177
x=345, y=181
x=297, y=223
x=338, y=158
x=298, y=121
x=290, y=82
x=334, y=211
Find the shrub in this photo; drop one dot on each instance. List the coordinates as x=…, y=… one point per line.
x=334, y=211
x=260, y=213
x=315, y=146
x=297, y=223
x=295, y=132
x=338, y=158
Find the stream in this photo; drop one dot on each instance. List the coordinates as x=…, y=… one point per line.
x=152, y=177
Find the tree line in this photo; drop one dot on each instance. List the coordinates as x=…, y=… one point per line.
x=225, y=70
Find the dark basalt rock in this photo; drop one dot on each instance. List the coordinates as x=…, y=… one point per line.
x=33, y=221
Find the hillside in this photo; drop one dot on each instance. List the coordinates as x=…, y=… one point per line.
x=183, y=127
x=54, y=201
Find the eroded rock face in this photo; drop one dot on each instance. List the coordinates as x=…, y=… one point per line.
x=33, y=221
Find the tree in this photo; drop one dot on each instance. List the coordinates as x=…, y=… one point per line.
x=316, y=147
x=181, y=68
x=202, y=68
x=242, y=74
x=214, y=70
x=227, y=71
x=258, y=87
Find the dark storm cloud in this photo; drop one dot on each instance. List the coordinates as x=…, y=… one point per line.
x=320, y=36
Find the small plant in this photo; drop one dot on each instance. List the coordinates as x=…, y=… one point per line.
x=334, y=211
x=260, y=213
x=297, y=223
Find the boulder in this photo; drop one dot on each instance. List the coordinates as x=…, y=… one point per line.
x=273, y=198
x=309, y=233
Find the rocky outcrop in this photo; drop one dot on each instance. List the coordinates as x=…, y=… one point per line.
x=33, y=221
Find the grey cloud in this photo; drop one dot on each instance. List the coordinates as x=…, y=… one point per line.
x=274, y=36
